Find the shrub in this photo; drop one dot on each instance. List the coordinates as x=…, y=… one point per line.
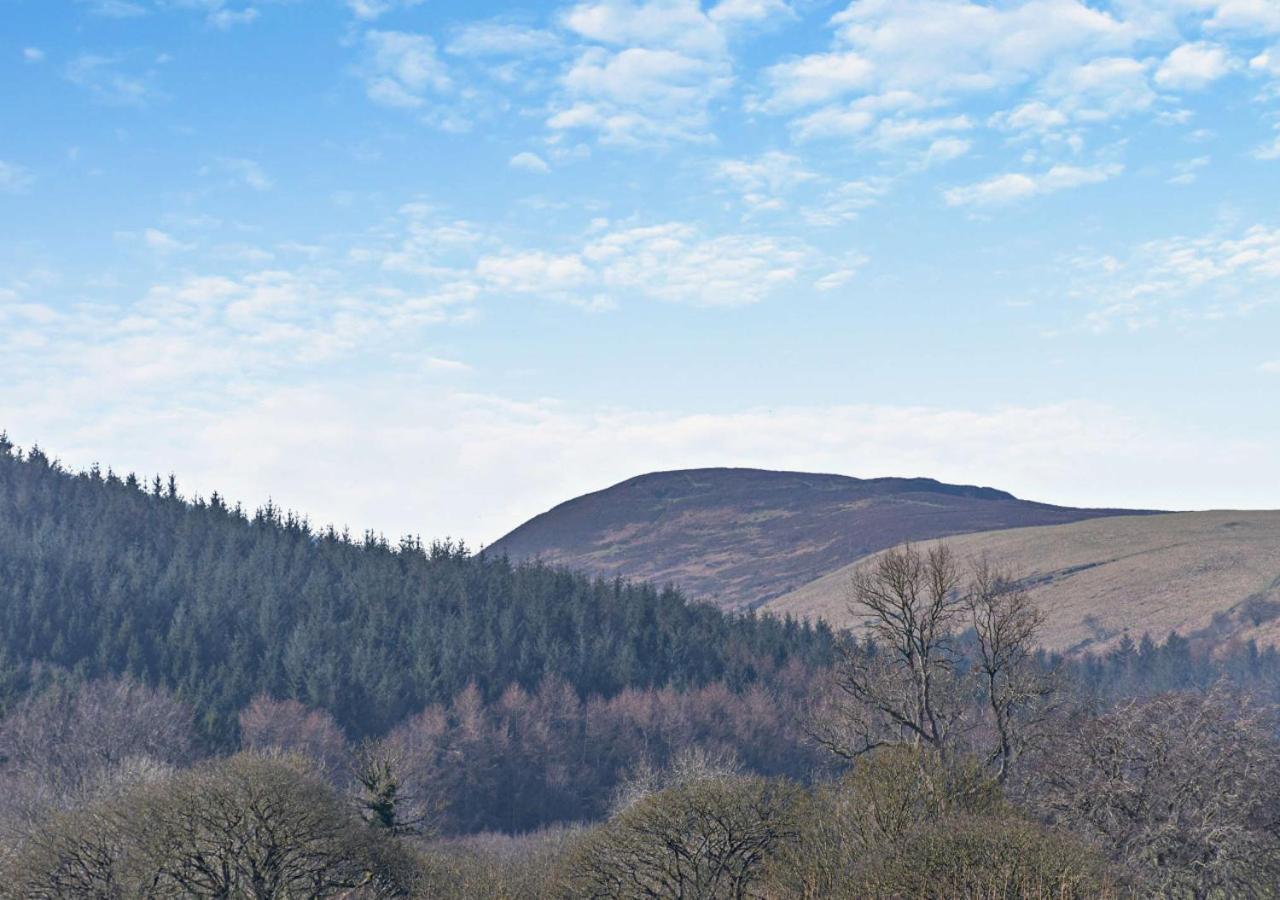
x=985, y=858
x=248, y=826
x=703, y=840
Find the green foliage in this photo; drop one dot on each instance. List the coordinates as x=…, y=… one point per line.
x=104, y=576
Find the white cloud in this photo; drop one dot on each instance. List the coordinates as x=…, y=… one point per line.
x=403, y=69
x=818, y=78
x=747, y=12
x=32, y=54
x=1267, y=61
x=946, y=149
x=1269, y=150
x=1102, y=88
x=115, y=9
x=503, y=39
x=956, y=46
x=856, y=117
x=102, y=77
x=641, y=95
x=534, y=272
x=241, y=172
x=678, y=25
x=1183, y=279
x=162, y=241
x=1246, y=16
x=765, y=181
x=1270, y=368
x=647, y=73
x=672, y=262
x=1187, y=170
x=902, y=130
x=1193, y=66
x=229, y=18
x=1033, y=116
x=374, y=9
x=846, y=201
x=1014, y=186
x=529, y=162
x=14, y=179
x=835, y=280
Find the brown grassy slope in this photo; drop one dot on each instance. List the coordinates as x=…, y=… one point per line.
x=1095, y=579
x=739, y=537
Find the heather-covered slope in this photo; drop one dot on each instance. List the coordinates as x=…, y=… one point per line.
x=1095, y=580
x=739, y=537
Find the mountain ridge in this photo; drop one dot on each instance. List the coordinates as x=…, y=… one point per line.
x=739, y=537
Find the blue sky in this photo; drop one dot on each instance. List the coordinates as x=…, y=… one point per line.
x=434, y=266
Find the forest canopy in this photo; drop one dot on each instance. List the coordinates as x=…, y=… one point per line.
x=108, y=576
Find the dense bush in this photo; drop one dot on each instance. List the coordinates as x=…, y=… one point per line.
x=708, y=839
x=249, y=826
x=983, y=858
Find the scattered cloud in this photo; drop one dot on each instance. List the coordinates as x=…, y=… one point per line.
x=403, y=69
x=162, y=241
x=648, y=70
x=115, y=9
x=503, y=39
x=1194, y=66
x=1245, y=16
x=32, y=54
x=765, y=182
x=230, y=18
x=1011, y=187
x=240, y=172
x=815, y=79
x=1188, y=170
x=1270, y=368
x=1207, y=277
x=529, y=162
x=946, y=149
x=14, y=179
x=374, y=9
x=103, y=77
x=1268, y=61
x=1269, y=150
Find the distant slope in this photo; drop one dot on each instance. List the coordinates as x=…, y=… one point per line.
x=739, y=537
x=1096, y=579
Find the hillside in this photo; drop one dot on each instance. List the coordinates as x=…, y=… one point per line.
x=103, y=576
x=740, y=537
x=1099, y=578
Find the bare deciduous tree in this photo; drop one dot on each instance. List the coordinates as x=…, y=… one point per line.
x=386, y=797
x=287, y=725
x=702, y=841
x=901, y=689
x=1183, y=790
x=1019, y=693
x=907, y=684
x=71, y=743
x=254, y=827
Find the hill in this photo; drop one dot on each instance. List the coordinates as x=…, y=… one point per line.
x=103, y=576
x=740, y=537
x=1198, y=572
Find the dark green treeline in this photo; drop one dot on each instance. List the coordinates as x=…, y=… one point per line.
x=102, y=575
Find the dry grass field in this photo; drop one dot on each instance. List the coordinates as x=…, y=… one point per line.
x=1098, y=579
